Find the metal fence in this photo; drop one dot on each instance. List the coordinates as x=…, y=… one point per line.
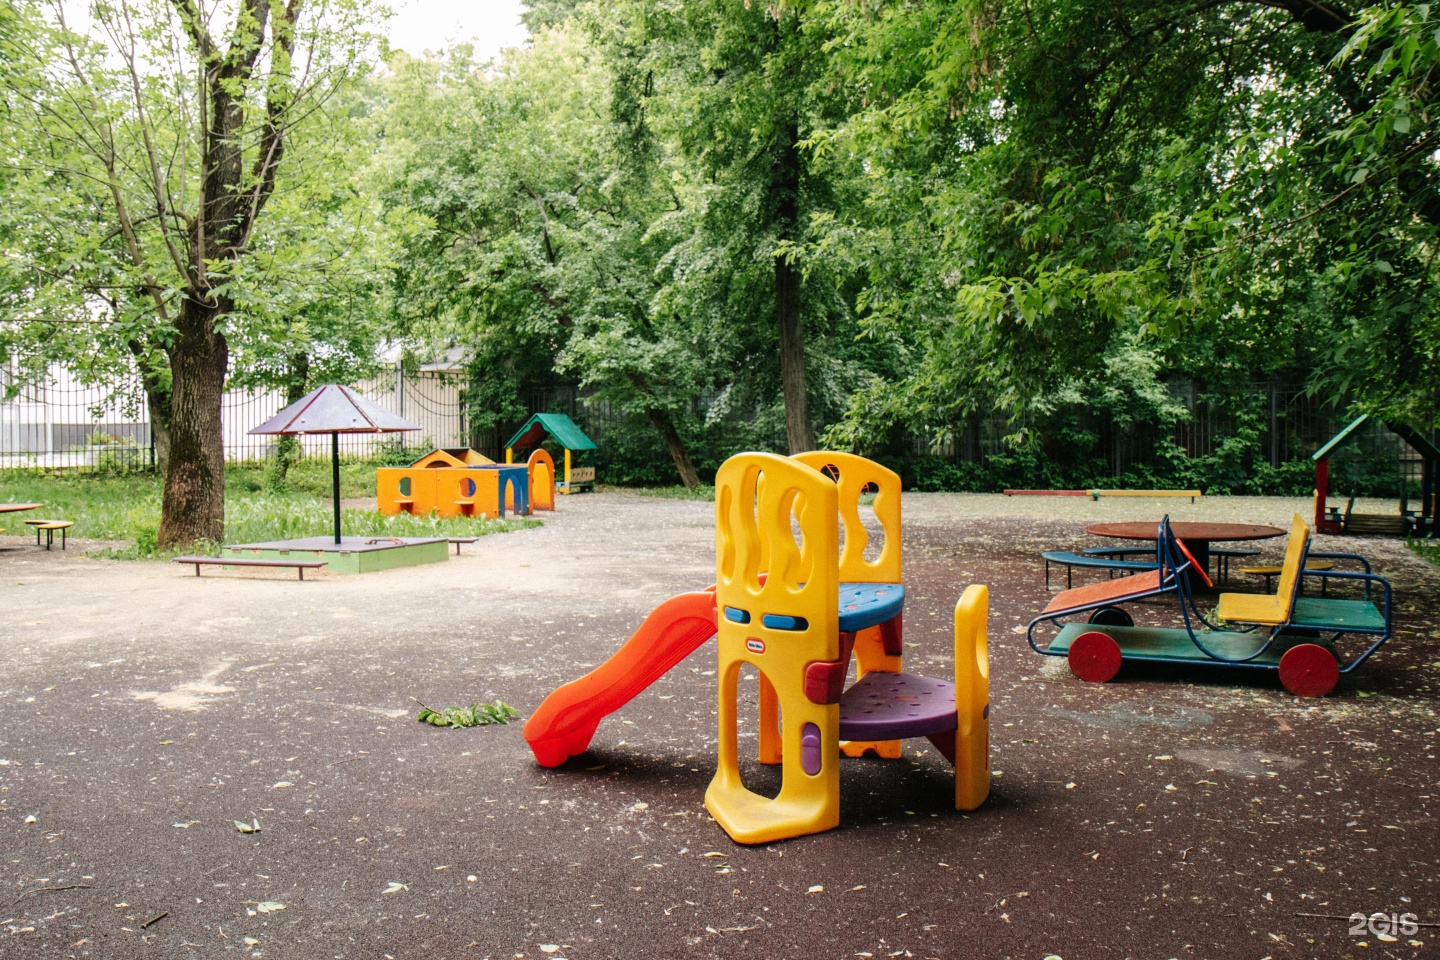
x=65, y=423
x=1292, y=426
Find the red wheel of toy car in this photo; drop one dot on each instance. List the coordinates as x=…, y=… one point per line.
x=1309, y=670
x=1094, y=657
x=1193, y=565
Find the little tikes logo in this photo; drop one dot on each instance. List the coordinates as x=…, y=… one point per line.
x=755, y=646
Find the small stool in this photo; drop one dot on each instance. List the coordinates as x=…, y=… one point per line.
x=50, y=526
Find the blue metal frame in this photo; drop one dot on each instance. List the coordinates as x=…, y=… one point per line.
x=1167, y=557
x=1169, y=549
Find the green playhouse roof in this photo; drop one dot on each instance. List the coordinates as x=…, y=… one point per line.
x=1417, y=440
x=559, y=426
x=1339, y=438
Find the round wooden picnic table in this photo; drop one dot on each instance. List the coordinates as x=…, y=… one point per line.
x=1198, y=535
x=17, y=507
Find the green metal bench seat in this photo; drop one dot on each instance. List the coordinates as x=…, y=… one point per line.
x=1321, y=613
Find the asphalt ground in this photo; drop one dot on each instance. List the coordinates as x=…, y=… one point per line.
x=1167, y=814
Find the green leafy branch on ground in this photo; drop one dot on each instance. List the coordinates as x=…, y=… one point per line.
x=475, y=715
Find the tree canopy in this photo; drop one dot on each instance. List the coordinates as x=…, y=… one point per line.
x=743, y=224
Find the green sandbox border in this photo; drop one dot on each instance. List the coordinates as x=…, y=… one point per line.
x=352, y=561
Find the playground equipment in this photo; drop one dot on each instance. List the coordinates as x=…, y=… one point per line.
x=780, y=607
x=453, y=483
x=1097, y=494
x=579, y=449
x=1294, y=635
x=1411, y=467
x=540, y=478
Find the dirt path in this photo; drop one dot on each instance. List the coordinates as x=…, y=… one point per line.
x=143, y=711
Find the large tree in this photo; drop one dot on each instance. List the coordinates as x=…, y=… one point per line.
x=1240, y=188
x=735, y=87
x=541, y=194
x=155, y=140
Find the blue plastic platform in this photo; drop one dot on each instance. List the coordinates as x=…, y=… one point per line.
x=861, y=605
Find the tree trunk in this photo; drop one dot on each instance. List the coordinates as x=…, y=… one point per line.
x=676, y=446
x=799, y=431
x=149, y=360
x=194, y=503
x=159, y=406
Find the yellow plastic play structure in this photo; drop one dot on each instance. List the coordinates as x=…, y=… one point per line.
x=801, y=584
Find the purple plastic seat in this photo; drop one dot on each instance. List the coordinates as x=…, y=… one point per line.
x=894, y=706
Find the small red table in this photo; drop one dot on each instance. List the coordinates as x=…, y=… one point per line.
x=1197, y=535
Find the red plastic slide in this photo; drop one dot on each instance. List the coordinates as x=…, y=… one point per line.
x=563, y=724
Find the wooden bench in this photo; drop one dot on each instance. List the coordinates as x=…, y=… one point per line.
x=50, y=526
x=459, y=540
x=299, y=565
x=1073, y=560
x=1192, y=494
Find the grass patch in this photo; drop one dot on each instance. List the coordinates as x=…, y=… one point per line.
x=1429, y=549
x=127, y=508
x=676, y=492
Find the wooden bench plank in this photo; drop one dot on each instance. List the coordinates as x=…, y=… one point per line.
x=459, y=540
x=300, y=566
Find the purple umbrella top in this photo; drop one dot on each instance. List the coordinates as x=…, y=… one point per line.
x=334, y=409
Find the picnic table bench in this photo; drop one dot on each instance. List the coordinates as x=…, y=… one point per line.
x=1073, y=560
x=299, y=565
x=1223, y=556
x=50, y=526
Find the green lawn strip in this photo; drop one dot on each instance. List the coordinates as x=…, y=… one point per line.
x=676, y=492
x=1429, y=549
x=127, y=508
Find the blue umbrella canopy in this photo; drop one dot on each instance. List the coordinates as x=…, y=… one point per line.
x=334, y=409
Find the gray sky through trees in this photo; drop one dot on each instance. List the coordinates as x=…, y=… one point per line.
x=492, y=25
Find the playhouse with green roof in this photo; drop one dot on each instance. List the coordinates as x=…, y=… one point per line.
x=579, y=449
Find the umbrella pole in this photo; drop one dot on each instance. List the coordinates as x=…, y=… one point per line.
x=335, y=477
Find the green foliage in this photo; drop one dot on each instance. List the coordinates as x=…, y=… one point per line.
x=1429, y=549
x=704, y=492
x=1056, y=213
x=1050, y=185
x=475, y=715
